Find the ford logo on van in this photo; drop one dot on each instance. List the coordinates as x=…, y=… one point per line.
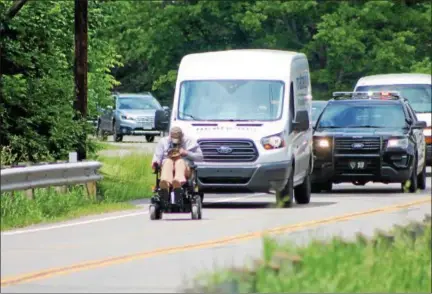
x=224, y=150
x=357, y=145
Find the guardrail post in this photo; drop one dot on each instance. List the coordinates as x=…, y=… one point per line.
x=91, y=189
x=30, y=194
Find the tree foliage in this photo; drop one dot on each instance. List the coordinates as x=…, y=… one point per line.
x=137, y=46
x=37, y=86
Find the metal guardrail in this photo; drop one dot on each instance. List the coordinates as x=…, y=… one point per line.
x=56, y=174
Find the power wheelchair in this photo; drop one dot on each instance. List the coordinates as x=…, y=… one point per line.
x=189, y=200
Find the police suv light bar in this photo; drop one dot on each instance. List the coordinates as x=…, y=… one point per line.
x=384, y=95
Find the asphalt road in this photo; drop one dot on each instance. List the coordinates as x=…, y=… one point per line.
x=126, y=252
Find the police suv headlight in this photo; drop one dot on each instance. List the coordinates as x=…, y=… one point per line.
x=398, y=143
x=273, y=142
x=322, y=143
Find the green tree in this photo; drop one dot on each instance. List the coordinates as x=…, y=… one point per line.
x=37, y=86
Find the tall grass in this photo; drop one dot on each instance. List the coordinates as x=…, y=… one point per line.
x=396, y=262
x=125, y=178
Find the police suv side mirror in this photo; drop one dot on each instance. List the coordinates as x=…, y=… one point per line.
x=301, y=122
x=419, y=125
x=162, y=119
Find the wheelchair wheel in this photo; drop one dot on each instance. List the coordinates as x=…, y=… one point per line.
x=196, y=208
x=154, y=212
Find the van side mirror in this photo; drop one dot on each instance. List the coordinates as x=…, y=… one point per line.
x=419, y=125
x=301, y=122
x=162, y=119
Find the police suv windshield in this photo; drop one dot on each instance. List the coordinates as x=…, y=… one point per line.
x=362, y=115
x=140, y=103
x=317, y=107
x=418, y=95
x=231, y=100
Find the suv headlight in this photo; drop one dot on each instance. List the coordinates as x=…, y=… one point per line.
x=398, y=143
x=127, y=117
x=273, y=141
x=322, y=143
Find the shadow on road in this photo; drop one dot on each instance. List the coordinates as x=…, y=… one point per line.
x=377, y=192
x=257, y=205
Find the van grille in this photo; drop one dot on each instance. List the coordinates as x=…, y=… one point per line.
x=215, y=150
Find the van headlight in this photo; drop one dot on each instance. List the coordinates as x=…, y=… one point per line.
x=273, y=142
x=428, y=134
x=398, y=143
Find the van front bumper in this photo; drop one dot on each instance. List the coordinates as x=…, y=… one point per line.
x=253, y=179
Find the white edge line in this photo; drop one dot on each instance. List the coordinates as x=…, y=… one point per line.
x=72, y=224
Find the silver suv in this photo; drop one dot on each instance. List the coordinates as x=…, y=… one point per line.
x=130, y=115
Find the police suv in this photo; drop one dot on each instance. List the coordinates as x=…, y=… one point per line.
x=369, y=136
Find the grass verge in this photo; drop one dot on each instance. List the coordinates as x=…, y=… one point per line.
x=398, y=261
x=126, y=178
x=50, y=206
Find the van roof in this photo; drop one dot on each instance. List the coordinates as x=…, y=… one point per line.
x=238, y=63
x=395, y=79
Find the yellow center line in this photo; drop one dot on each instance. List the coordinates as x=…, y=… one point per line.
x=44, y=274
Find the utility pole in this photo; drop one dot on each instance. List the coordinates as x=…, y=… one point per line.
x=81, y=68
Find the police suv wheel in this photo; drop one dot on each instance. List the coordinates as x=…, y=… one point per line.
x=411, y=185
x=421, y=179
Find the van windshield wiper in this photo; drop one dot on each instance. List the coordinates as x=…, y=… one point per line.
x=365, y=126
x=188, y=115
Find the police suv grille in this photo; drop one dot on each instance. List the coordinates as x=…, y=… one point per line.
x=360, y=145
x=231, y=151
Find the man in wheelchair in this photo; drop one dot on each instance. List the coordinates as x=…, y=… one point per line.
x=175, y=155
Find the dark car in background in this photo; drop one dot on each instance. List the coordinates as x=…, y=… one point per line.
x=369, y=137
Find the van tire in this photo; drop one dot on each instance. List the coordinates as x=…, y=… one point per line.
x=302, y=192
x=284, y=198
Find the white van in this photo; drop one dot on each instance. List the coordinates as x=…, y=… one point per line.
x=249, y=111
x=415, y=87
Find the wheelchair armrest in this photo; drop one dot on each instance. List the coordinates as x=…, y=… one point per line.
x=156, y=170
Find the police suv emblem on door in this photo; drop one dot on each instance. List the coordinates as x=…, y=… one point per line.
x=224, y=150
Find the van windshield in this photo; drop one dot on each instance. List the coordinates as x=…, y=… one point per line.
x=418, y=95
x=231, y=100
